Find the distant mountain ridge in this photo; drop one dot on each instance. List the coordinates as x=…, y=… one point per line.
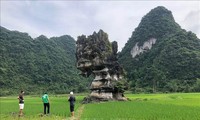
x=160, y=56
x=38, y=65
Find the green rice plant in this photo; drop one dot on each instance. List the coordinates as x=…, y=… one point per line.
x=147, y=107
x=176, y=106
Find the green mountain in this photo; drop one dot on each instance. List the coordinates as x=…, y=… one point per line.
x=38, y=65
x=160, y=56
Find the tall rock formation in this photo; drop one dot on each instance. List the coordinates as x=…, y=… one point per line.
x=96, y=55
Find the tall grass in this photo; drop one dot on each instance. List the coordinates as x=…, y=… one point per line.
x=178, y=106
x=147, y=107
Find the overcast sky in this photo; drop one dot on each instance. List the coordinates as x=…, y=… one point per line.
x=74, y=18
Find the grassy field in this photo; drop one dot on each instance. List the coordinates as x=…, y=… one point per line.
x=179, y=106
x=33, y=108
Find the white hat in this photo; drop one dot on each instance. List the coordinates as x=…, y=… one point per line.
x=71, y=93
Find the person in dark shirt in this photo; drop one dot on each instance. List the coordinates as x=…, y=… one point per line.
x=21, y=103
x=72, y=100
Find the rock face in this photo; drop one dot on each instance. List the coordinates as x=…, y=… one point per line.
x=136, y=50
x=96, y=55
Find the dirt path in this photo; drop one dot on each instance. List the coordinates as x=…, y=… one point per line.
x=78, y=113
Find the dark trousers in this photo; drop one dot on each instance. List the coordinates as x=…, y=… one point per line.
x=46, y=105
x=71, y=108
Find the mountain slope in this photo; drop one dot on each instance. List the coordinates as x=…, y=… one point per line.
x=160, y=56
x=38, y=65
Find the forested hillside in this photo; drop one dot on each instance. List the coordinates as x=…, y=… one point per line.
x=170, y=57
x=160, y=56
x=38, y=65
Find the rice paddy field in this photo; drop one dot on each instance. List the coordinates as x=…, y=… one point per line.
x=176, y=106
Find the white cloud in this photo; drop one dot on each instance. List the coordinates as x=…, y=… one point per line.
x=192, y=22
x=117, y=18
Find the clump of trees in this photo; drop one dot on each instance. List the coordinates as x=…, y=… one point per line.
x=38, y=65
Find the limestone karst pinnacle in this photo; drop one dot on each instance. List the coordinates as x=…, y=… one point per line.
x=96, y=55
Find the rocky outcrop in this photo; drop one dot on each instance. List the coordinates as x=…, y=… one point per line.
x=96, y=55
x=136, y=50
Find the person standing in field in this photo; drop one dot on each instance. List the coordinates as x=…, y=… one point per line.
x=21, y=103
x=72, y=100
x=46, y=102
